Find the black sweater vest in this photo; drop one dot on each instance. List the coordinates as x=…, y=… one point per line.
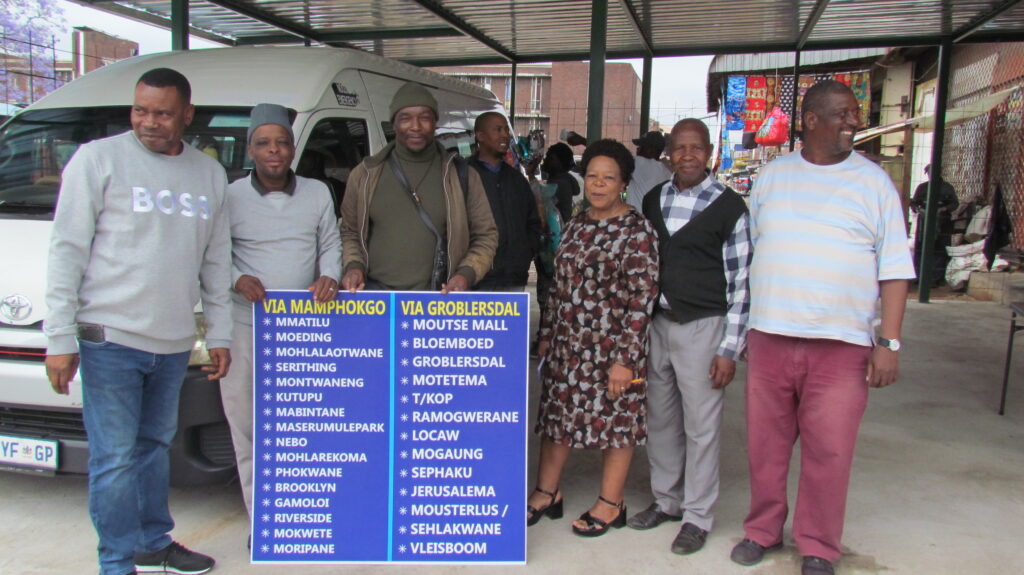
x=692, y=269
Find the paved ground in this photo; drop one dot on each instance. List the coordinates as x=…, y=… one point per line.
x=938, y=485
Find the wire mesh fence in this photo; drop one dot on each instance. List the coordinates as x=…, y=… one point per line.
x=985, y=152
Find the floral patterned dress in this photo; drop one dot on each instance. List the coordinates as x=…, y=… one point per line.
x=598, y=314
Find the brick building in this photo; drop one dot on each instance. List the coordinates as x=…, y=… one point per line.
x=24, y=80
x=92, y=49
x=553, y=97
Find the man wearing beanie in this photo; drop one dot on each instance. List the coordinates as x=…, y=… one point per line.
x=406, y=221
x=140, y=236
x=283, y=236
x=650, y=170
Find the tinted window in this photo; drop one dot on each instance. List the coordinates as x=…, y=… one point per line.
x=334, y=147
x=37, y=144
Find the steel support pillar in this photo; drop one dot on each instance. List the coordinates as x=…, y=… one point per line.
x=514, y=79
x=645, y=95
x=179, y=24
x=794, y=110
x=598, y=49
x=926, y=258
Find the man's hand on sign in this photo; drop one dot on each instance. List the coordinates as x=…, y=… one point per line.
x=458, y=282
x=324, y=289
x=353, y=280
x=251, y=288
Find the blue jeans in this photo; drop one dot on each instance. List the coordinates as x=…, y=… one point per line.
x=130, y=407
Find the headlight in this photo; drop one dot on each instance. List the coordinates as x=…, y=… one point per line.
x=199, y=355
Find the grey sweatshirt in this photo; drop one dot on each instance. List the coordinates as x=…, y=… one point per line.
x=285, y=241
x=138, y=239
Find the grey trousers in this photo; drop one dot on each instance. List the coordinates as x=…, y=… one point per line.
x=684, y=417
x=236, y=392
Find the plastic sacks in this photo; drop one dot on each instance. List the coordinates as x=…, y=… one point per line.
x=962, y=261
x=978, y=228
x=774, y=131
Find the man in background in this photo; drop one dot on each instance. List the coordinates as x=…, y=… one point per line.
x=948, y=203
x=650, y=170
x=512, y=206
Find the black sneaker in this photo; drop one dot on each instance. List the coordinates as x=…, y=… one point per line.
x=175, y=559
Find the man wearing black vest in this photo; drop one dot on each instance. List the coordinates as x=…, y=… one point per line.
x=698, y=333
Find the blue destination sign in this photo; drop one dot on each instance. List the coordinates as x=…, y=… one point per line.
x=390, y=427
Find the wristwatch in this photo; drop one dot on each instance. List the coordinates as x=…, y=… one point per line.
x=889, y=344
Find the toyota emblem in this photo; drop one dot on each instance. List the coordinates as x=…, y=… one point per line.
x=15, y=307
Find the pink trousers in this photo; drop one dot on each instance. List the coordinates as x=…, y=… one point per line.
x=814, y=389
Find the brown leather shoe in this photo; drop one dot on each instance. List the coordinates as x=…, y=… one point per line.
x=749, y=553
x=816, y=566
x=689, y=540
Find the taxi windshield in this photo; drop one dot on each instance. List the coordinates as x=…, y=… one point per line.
x=36, y=145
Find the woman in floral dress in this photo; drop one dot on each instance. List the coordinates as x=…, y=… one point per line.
x=593, y=341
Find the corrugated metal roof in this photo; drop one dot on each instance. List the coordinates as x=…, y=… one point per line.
x=481, y=31
x=781, y=60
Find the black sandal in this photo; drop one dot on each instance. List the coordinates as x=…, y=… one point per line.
x=552, y=510
x=597, y=527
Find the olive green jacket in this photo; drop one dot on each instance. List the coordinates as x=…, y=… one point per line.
x=472, y=235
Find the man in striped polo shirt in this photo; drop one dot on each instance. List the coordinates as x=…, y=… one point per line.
x=829, y=240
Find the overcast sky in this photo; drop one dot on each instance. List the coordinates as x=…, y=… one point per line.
x=678, y=87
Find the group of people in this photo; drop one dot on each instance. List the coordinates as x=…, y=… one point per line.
x=658, y=292
x=651, y=304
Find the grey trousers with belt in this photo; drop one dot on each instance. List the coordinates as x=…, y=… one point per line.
x=684, y=417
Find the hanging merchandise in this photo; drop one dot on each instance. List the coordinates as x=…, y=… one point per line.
x=771, y=91
x=774, y=130
x=756, y=106
x=726, y=148
x=735, y=102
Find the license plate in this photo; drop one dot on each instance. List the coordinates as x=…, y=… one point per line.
x=22, y=451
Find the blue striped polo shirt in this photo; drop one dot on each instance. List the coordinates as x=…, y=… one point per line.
x=824, y=236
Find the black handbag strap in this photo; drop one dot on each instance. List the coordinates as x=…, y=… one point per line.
x=400, y=176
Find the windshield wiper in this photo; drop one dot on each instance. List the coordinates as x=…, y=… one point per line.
x=8, y=206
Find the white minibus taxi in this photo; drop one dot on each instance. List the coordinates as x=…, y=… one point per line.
x=339, y=99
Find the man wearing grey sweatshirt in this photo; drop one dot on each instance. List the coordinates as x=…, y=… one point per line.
x=284, y=235
x=140, y=236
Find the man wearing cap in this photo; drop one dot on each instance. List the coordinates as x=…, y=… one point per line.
x=512, y=205
x=697, y=334
x=650, y=170
x=283, y=236
x=140, y=236
x=406, y=221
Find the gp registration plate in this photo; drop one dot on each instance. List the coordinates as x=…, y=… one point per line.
x=25, y=452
